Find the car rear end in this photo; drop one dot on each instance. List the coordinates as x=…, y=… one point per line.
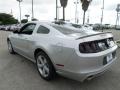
x=94, y=54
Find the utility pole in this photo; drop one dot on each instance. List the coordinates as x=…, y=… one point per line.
x=32, y=10
x=118, y=14
x=56, y=10
x=102, y=13
x=20, y=8
x=76, y=11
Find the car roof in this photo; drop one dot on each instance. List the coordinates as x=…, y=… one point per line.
x=40, y=22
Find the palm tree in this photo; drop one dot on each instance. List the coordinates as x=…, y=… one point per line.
x=63, y=4
x=85, y=5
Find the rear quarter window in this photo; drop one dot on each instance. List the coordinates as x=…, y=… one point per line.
x=43, y=30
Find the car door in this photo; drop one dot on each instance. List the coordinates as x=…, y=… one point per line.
x=24, y=39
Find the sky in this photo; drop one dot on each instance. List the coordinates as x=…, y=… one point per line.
x=45, y=10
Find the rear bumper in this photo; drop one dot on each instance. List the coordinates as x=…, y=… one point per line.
x=81, y=76
x=80, y=67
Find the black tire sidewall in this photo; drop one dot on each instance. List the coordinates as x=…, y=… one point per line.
x=12, y=51
x=50, y=66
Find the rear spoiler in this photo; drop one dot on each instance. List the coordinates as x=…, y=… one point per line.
x=94, y=35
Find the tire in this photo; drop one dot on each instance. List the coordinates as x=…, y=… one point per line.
x=10, y=48
x=45, y=66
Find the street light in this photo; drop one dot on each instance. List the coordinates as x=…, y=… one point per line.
x=118, y=14
x=102, y=14
x=56, y=10
x=76, y=11
x=20, y=8
x=27, y=16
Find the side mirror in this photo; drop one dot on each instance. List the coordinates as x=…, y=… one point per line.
x=16, y=31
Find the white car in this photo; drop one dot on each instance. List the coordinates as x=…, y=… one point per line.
x=73, y=53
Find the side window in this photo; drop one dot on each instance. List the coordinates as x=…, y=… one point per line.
x=28, y=29
x=43, y=30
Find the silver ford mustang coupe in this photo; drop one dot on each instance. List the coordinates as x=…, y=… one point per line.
x=63, y=49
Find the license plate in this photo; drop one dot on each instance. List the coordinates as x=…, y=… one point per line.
x=109, y=58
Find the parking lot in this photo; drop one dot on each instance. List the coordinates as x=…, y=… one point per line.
x=18, y=73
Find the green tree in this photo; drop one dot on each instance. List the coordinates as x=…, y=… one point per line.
x=85, y=5
x=7, y=19
x=63, y=4
x=24, y=21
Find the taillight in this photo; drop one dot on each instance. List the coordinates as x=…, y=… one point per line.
x=88, y=47
x=96, y=46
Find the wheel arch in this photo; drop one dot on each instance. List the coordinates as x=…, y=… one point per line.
x=37, y=50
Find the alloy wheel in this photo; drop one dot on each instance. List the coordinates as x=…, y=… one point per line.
x=43, y=66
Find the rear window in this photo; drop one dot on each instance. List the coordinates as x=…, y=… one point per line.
x=66, y=30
